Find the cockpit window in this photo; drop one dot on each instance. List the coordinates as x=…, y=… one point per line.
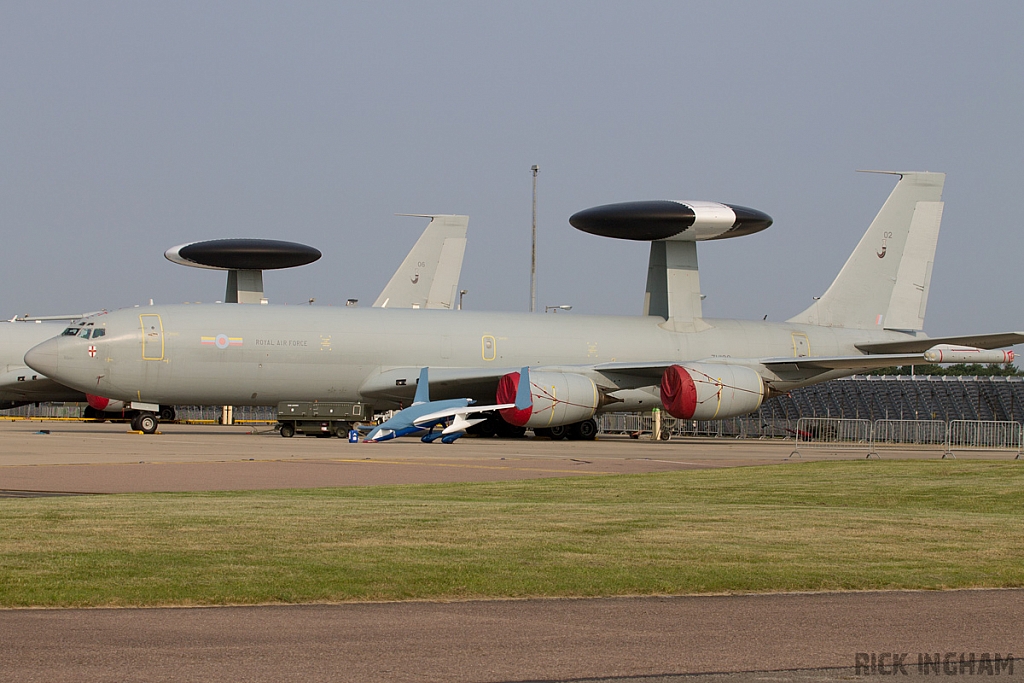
x=70, y=332
x=98, y=332
x=85, y=333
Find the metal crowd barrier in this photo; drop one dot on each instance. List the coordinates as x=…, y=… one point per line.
x=212, y=414
x=195, y=414
x=837, y=433
x=902, y=432
x=48, y=411
x=980, y=435
x=832, y=433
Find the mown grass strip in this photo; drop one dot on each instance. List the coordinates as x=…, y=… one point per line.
x=809, y=526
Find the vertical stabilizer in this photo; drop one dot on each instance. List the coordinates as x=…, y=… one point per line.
x=884, y=284
x=429, y=275
x=422, y=387
x=673, y=281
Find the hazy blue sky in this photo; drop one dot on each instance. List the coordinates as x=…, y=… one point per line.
x=127, y=128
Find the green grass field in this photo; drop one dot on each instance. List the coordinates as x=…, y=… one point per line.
x=807, y=526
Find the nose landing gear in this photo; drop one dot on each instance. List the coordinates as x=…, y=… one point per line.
x=145, y=422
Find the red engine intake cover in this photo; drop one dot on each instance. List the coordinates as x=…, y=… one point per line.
x=97, y=402
x=508, y=386
x=678, y=392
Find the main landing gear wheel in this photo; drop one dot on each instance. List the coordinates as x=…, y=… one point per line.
x=145, y=423
x=583, y=431
x=558, y=433
x=586, y=430
x=167, y=413
x=91, y=413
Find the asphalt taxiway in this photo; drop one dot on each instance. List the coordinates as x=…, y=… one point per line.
x=76, y=457
x=789, y=637
x=777, y=637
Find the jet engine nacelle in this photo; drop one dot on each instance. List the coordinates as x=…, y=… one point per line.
x=105, y=405
x=947, y=353
x=557, y=398
x=708, y=391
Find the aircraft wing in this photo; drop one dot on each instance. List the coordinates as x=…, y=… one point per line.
x=869, y=362
x=399, y=384
x=458, y=412
x=920, y=344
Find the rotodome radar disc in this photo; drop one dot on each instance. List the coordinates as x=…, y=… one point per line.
x=243, y=254
x=689, y=221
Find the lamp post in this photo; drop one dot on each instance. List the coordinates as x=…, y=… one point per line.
x=462, y=293
x=533, y=249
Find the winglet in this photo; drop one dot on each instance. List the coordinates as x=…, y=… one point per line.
x=422, y=388
x=524, y=397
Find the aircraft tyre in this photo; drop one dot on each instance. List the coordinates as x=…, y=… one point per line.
x=147, y=423
x=487, y=428
x=91, y=413
x=543, y=432
x=287, y=430
x=509, y=431
x=583, y=431
x=167, y=413
x=558, y=433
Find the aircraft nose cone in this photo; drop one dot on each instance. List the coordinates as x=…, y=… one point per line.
x=43, y=358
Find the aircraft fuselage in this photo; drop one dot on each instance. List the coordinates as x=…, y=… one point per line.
x=247, y=355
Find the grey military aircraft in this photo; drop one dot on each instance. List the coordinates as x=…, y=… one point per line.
x=695, y=367
x=20, y=384
x=428, y=277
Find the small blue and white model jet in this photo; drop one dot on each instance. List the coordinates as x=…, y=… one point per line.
x=425, y=415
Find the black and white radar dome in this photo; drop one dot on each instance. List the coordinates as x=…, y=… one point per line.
x=243, y=254
x=689, y=221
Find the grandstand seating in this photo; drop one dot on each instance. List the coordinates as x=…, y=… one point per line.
x=924, y=397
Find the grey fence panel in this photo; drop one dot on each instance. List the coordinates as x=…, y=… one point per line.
x=624, y=423
x=47, y=411
x=832, y=433
x=982, y=435
x=922, y=432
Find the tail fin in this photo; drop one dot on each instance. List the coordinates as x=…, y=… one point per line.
x=422, y=387
x=884, y=284
x=524, y=395
x=429, y=275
